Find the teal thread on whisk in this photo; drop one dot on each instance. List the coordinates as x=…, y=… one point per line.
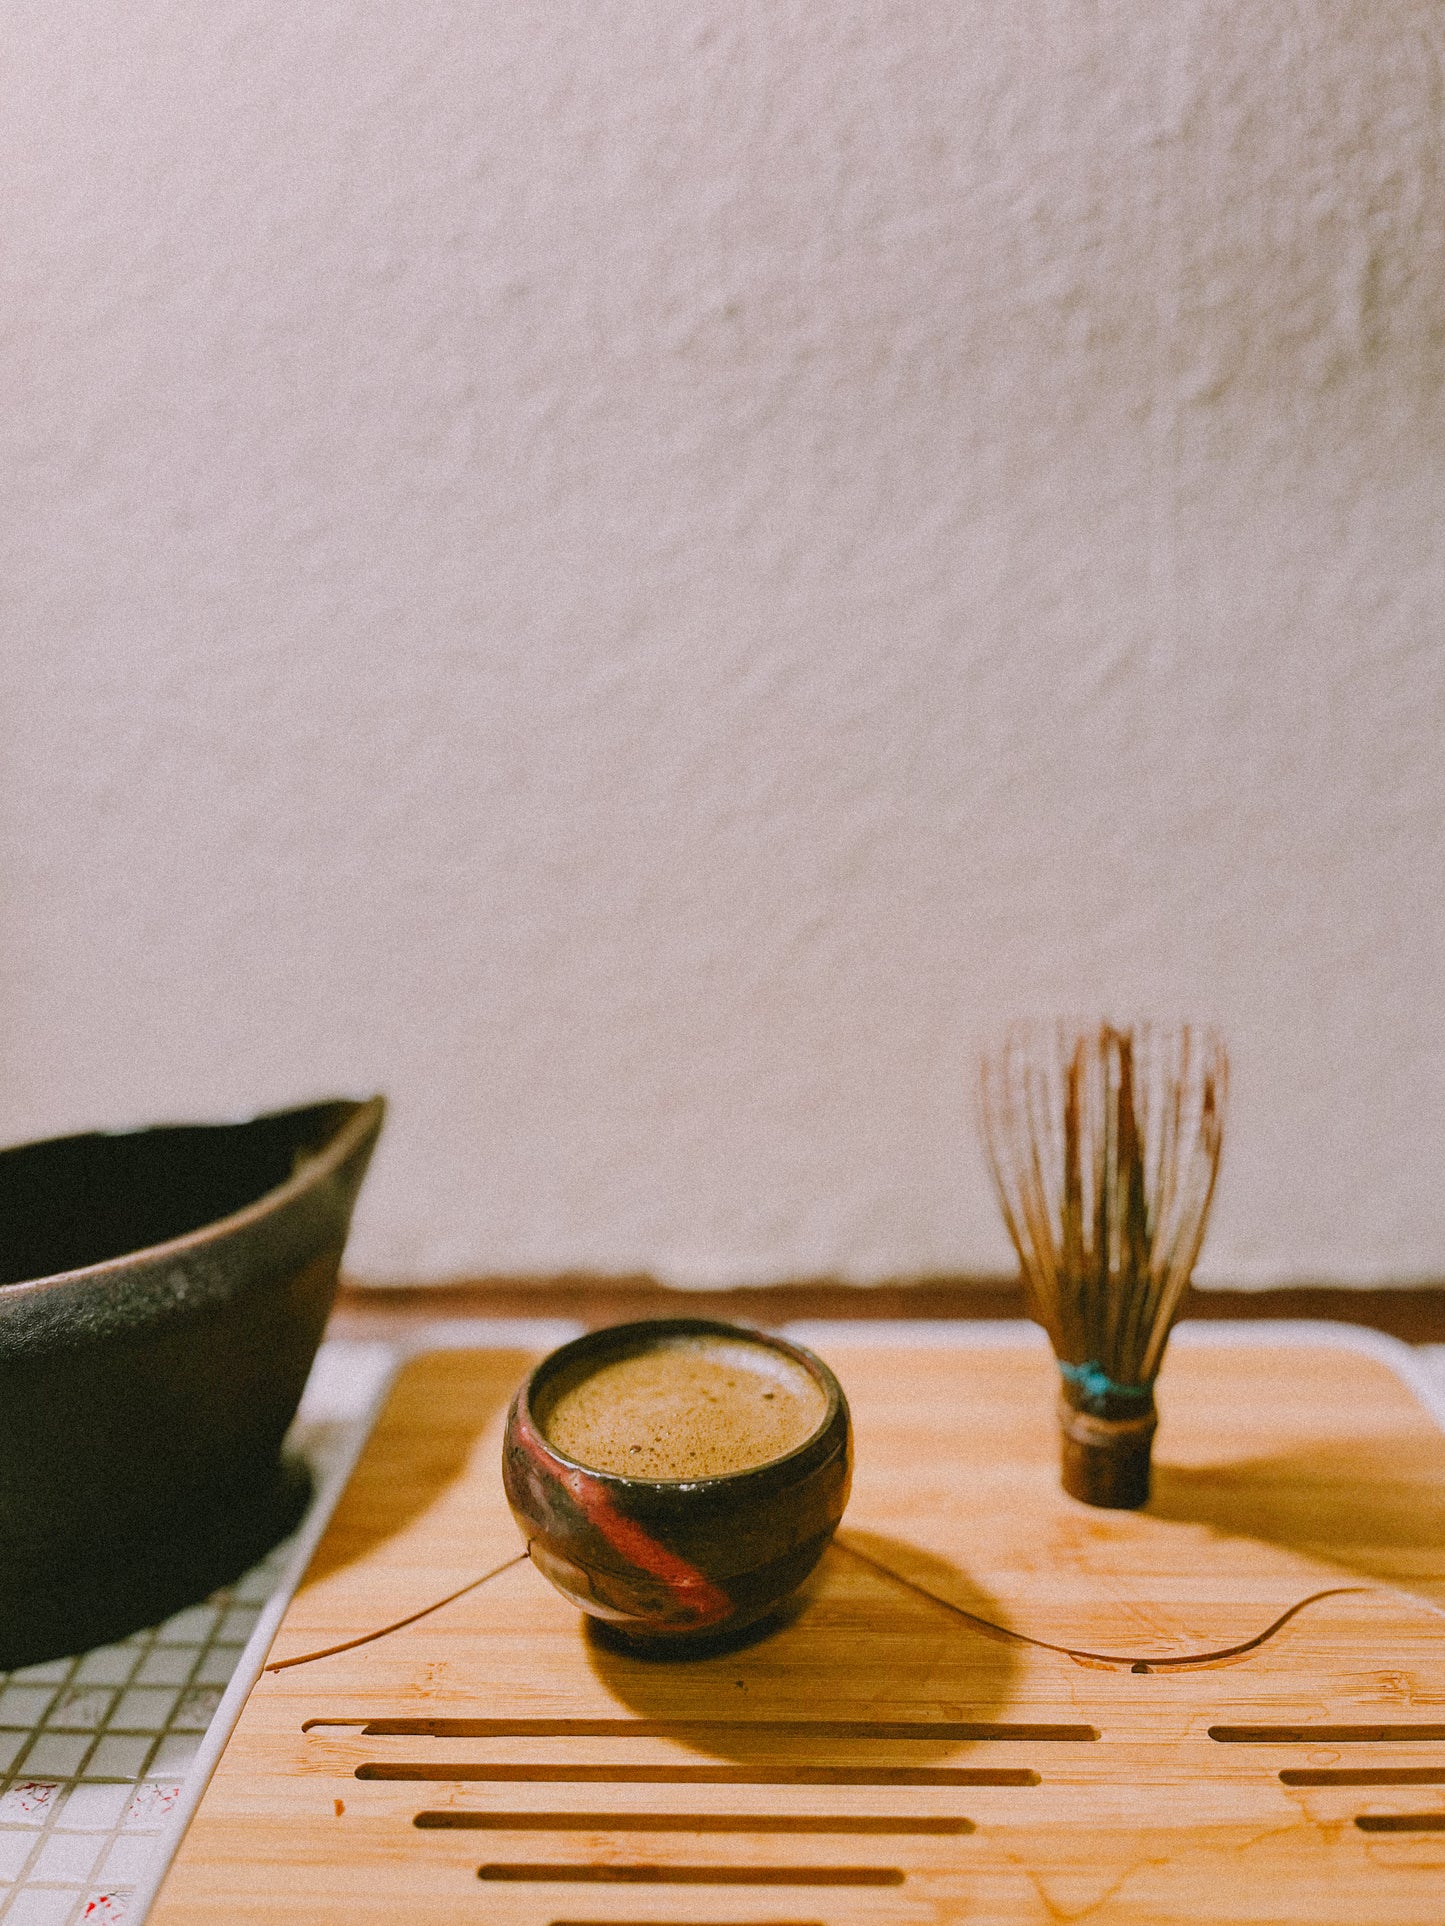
x=1098, y=1387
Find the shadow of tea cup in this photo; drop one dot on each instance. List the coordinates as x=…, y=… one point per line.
x=742, y=1451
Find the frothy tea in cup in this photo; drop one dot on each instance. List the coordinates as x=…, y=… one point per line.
x=685, y=1407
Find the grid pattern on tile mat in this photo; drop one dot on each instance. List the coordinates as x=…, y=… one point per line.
x=94, y=1749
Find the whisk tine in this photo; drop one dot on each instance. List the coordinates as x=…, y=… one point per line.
x=1104, y=1145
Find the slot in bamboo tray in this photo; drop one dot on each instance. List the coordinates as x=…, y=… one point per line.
x=882, y=1757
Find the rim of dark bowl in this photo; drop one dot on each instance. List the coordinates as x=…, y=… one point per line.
x=645, y=1328
x=366, y=1111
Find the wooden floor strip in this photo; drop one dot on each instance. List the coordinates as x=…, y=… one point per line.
x=574, y=1875
x=1401, y=1822
x=951, y=1730
x=452, y=1820
x=451, y=1771
x=1363, y=1776
x=1401, y=1734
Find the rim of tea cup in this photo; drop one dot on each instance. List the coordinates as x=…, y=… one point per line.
x=635, y=1336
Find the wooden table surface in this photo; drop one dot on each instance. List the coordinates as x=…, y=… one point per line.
x=1414, y=1313
x=992, y=1705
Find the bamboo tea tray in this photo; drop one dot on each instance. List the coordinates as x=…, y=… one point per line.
x=899, y=1751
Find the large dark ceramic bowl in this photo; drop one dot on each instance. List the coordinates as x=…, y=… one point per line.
x=162, y=1295
x=674, y=1561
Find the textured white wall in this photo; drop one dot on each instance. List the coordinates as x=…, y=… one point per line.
x=641, y=575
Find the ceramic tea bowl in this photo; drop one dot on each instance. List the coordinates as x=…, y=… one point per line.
x=674, y=1562
x=162, y=1294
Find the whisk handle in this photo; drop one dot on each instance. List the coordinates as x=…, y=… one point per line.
x=1106, y=1460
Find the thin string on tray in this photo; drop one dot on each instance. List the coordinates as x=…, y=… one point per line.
x=350, y=1644
x=1150, y=1664
x=988, y=1625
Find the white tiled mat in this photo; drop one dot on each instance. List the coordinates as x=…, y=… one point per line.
x=95, y=1751
x=96, y=1754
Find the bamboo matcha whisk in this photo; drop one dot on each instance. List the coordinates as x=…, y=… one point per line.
x=1104, y=1145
